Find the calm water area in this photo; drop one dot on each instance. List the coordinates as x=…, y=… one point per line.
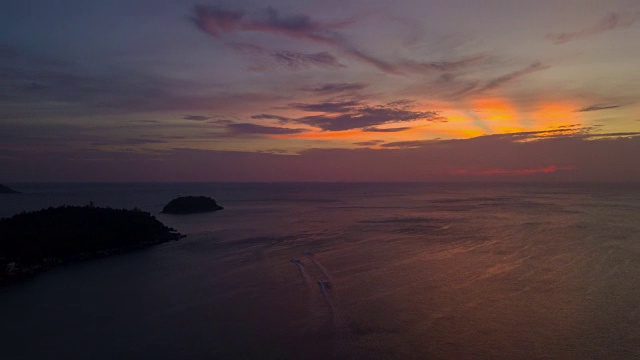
x=344, y=271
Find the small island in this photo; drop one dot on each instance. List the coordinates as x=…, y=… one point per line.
x=191, y=205
x=7, y=190
x=36, y=241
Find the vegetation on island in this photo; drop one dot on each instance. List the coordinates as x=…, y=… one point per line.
x=7, y=190
x=190, y=205
x=35, y=241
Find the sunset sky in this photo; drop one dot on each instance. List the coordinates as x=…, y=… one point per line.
x=409, y=90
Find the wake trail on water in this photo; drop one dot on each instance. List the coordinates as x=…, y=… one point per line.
x=344, y=340
x=341, y=313
x=320, y=282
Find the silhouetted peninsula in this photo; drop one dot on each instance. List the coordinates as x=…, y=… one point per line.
x=35, y=241
x=190, y=205
x=7, y=190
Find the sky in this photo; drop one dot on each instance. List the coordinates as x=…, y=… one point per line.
x=350, y=90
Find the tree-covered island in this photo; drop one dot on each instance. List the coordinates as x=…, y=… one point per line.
x=35, y=241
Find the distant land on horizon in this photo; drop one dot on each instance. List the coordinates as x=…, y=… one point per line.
x=460, y=182
x=7, y=190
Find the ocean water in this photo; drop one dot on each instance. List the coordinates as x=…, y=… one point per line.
x=344, y=271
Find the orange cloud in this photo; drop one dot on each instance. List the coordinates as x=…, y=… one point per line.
x=555, y=115
x=491, y=115
x=495, y=109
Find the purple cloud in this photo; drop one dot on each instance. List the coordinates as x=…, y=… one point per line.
x=280, y=119
x=146, y=121
x=248, y=128
x=217, y=21
x=328, y=107
x=496, y=82
x=613, y=135
x=367, y=117
x=577, y=132
x=220, y=122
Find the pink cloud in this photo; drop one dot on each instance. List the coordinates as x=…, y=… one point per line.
x=215, y=21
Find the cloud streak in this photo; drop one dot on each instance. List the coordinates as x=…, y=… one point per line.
x=597, y=107
x=332, y=88
x=385, y=130
x=298, y=60
x=442, y=66
x=196, y=117
x=501, y=80
x=218, y=22
x=609, y=22
x=293, y=60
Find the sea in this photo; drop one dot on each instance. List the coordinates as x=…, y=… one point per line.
x=343, y=271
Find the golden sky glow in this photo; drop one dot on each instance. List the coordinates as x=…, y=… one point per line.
x=233, y=77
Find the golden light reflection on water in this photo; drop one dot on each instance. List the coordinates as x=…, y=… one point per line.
x=515, y=284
